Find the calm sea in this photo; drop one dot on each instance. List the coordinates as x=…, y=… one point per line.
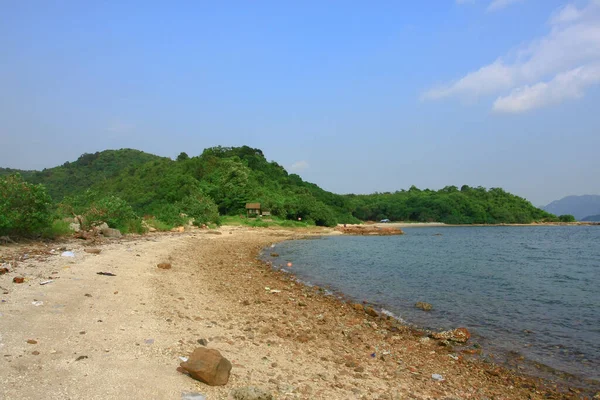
x=530, y=295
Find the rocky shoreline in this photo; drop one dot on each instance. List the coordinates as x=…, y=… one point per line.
x=290, y=340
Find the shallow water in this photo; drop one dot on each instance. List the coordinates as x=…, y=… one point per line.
x=531, y=291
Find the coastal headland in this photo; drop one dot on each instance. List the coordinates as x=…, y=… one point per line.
x=69, y=332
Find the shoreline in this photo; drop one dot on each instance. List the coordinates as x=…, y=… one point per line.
x=290, y=340
x=504, y=358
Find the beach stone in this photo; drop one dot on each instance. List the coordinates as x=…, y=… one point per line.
x=111, y=233
x=18, y=279
x=208, y=366
x=164, y=266
x=424, y=306
x=370, y=311
x=358, y=307
x=92, y=251
x=251, y=393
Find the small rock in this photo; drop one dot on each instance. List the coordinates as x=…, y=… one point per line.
x=164, y=266
x=81, y=358
x=424, y=306
x=459, y=335
x=92, y=251
x=4, y=271
x=358, y=307
x=35, y=353
x=251, y=393
x=87, y=295
x=111, y=233
x=18, y=279
x=31, y=341
x=208, y=366
x=246, y=303
x=203, y=342
x=274, y=255
x=370, y=311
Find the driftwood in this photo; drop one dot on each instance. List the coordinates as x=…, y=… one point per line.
x=6, y=240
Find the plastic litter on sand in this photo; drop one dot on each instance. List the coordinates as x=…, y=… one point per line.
x=437, y=377
x=37, y=303
x=68, y=254
x=192, y=396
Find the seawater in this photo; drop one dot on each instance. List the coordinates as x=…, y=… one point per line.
x=526, y=293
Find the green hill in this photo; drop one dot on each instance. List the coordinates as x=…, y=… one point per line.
x=72, y=178
x=224, y=179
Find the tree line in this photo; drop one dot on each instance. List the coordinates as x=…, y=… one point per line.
x=125, y=187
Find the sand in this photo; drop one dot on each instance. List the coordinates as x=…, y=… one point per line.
x=120, y=337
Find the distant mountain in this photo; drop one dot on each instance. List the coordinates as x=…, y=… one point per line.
x=592, y=218
x=578, y=206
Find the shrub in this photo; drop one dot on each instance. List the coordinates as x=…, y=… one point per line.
x=169, y=214
x=24, y=207
x=57, y=229
x=116, y=212
x=201, y=208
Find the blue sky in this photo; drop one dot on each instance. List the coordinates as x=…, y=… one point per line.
x=354, y=96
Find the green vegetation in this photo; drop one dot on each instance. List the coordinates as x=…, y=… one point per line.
x=265, y=222
x=125, y=187
x=566, y=218
x=25, y=208
x=449, y=205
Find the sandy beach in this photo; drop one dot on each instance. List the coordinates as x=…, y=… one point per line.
x=90, y=336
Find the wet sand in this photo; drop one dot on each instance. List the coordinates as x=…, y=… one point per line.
x=117, y=337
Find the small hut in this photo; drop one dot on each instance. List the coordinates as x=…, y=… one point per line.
x=253, y=209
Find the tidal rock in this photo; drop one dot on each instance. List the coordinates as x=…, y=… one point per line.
x=459, y=335
x=370, y=311
x=358, y=307
x=424, y=306
x=111, y=233
x=251, y=393
x=208, y=366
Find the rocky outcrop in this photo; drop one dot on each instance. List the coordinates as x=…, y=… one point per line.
x=208, y=366
x=424, y=306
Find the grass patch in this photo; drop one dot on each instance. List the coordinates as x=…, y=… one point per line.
x=264, y=222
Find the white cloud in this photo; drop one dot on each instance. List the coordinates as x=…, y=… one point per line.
x=573, y=42
x=496, y=5
x=299, y=166
x=566, y=85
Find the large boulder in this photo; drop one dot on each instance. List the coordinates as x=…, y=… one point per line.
x=208, y=366
x=424, y=306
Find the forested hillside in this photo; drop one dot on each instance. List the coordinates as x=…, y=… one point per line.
x=89, y=169
x=451, y=205
x=131, y=184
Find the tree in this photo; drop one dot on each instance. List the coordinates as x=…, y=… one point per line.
x=24, y=207
x=566, y=218
x=183, y=156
